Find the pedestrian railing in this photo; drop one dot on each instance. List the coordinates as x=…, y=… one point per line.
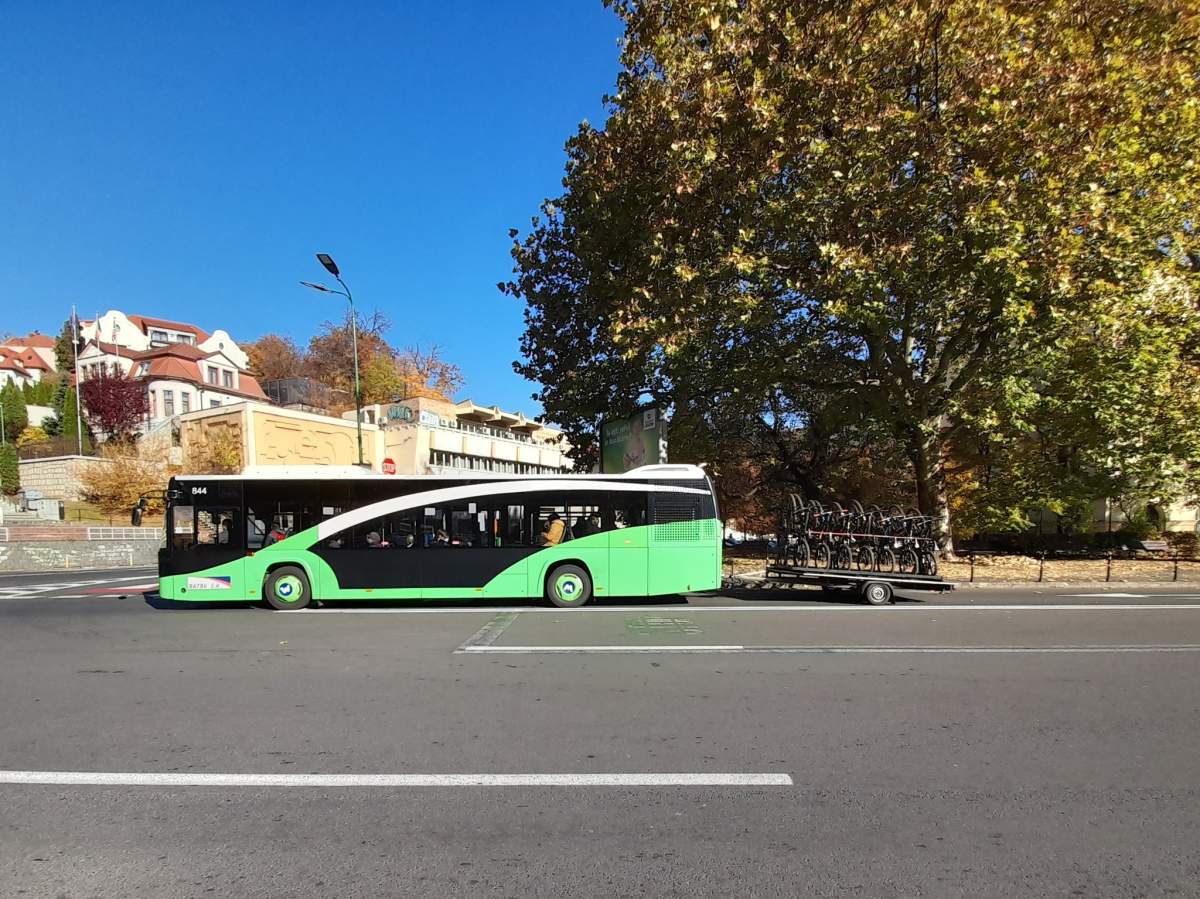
x=76, y=533
x=1174, y=560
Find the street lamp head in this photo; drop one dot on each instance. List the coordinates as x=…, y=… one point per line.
x=330, y=266
x=320, y=287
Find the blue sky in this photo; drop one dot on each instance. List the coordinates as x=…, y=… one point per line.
x=187, y=160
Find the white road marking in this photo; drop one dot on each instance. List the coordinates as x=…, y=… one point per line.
x=38, y=589
x=490, y=632
x=153, y=779
x=863, y=609
x=834, y=650
x=1118, y=595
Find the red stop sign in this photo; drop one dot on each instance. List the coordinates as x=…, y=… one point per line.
x=389, y=467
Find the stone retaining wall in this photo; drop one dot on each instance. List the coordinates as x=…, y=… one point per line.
x=65, y=555
x=58, y=476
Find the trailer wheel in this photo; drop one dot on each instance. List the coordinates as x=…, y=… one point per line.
x=877, y=593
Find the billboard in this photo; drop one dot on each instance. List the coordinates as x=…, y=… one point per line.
x=640, y=439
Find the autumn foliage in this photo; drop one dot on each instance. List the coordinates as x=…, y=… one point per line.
x=114, y=405
x=386, y=372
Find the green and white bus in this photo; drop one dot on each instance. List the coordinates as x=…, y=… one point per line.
x=289, y=537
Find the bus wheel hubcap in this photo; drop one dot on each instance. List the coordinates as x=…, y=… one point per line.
x=569, y=588
x=288, y=588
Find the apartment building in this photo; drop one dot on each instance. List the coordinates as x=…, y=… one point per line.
x=425, y=435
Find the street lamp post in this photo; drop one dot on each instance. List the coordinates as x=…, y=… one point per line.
x=330, y=266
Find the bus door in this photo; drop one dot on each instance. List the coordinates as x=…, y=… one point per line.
x=380, y=554
x=628, y=549
x=470, y=546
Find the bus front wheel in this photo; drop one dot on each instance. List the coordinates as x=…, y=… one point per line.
x=568, y=586
x=287, y=589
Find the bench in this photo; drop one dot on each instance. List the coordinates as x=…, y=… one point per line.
x=1153, y=546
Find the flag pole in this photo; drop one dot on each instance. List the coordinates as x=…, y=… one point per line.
x=75, y=351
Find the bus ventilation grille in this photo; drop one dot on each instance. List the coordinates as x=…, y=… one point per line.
x=683, y=531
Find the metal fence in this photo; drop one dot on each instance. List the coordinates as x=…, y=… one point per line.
x=1173, y=559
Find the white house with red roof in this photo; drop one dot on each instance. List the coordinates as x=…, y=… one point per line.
x=41, y=345
x=141, y=332
x=26, y=360
x=185, y=368
x=182, y=378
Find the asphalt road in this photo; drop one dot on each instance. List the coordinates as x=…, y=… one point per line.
x=984, y=743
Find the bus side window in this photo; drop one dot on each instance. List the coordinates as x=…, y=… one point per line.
x=218, y=527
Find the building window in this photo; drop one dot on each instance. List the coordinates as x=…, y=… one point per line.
x=227, y=378
x=187, y=338
x=185, y=400
x=159, y=336
x=440, y=459
x=168, y=403
x=212, y=375
x=212, y=404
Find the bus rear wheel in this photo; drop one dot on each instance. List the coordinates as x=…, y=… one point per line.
x=568, y=586
x=287, y=589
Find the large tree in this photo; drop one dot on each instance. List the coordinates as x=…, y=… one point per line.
x=330, y=357
x=16, y=417
x=885, y=205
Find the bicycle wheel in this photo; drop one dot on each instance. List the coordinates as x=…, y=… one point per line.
x=801, y=554
x=927, y=562
x=907, y=561
x=865, y=558
x=822, y=555
x=886, y=560
x=841, y=557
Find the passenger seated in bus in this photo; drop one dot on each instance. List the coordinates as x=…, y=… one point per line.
x=408, y=542
x=374, y=540
x=441, y=538
x=552, y=533
x=223, y=531
x=585, y=526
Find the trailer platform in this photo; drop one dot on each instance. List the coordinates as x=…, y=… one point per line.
x=875, y=587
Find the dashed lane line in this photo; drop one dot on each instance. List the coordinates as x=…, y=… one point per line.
x=490, y=632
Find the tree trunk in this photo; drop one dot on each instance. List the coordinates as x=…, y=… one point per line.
x=929, y=473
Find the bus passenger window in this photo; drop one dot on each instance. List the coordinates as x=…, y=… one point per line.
x=217, y=527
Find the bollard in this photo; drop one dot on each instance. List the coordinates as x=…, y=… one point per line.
x=1175, y=576
x=1041, y=565
x=1108, y=566
x=971, y=557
